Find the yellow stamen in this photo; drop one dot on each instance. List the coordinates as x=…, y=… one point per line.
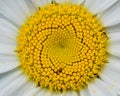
x=62, y=47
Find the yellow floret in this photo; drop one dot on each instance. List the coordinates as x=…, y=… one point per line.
x=62, y=47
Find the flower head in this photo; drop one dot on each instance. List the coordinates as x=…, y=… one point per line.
x=60, y=47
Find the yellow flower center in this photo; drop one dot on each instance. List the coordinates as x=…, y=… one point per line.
x=62, y=47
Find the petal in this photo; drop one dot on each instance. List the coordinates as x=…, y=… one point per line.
x=4, y=57
x=114, y=33
x=97, y=88
x=85, y=92
x=8, y=65
x=8, y=25
x=31, y=90
x=15, y=10
x=13, y=86
x=114, y=64
x=61, y=1
x=44, y=92
x=11, y=76
x=41, y=3
x=97, y=6
x=77, y=1
x=23, y=90
x=6, y=40
x=73, y=93
x=114, y=37
x=7, y=49
x=66, y=93
x=111, y=16
x=112, y=86
x=111, y=75
x=31, y=6
x=115, y=28
x=7, y=33
x=114, y=48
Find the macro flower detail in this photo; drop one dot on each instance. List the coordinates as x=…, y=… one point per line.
x=62, y=47
x=59, y=48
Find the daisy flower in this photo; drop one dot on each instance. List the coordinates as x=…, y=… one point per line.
x=59, y=48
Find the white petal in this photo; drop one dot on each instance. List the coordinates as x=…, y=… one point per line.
x=111, y=72
x=97, y=88
x=7, y=33
x=26, y=88
x=112, y=29
x=112, y=77
x=84, y=92
x=41, y=3
x=66, y=93
x=114, y=37
x=7, y=49
x=71, y=93
x=13, y=86
x=77, y=1
x=114, y=48
x=4, y=57
x=112, y=86
x=6, y=80
x=31, y=6
x=97, y=6
x=15, y=10
x=8, y=25
x=8, y=65
x=111, y=16
x=6, y=40
x=44, y=92
x=31, y=90
x=114, y=64
x=62, y=1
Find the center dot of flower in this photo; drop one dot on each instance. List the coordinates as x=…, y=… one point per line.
x=62, y=47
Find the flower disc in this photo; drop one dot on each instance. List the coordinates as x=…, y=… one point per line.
x=62, y=47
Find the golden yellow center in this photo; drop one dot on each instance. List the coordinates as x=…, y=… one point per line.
x=62, y=47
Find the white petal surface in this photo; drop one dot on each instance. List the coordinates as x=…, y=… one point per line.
x=41, y=3
x=97, y=6
x=71, y=93
x=15, y=10
x=31, y=6
x=112, y=29
x=97, y=88
x=84, y=92
x=44, y=92
x=111, y=16
x=112, y=77
x=62, y=1
x=4, y=58
x=8, y=25
x=13, y=86
x=31, y=90
x=77, y=1
x=114, y=48
x=28, y=89
x=7, y=49
x=111, y=84
x=114, y=37
x=68, y=93
x=6, y=80
x=8, y=32
x=6, y=40
x=8, y=65
x=114, y=64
